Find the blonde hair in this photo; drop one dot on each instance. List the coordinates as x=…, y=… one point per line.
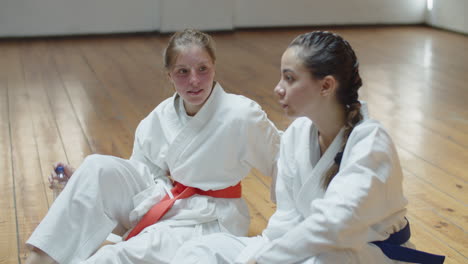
x=185, y=38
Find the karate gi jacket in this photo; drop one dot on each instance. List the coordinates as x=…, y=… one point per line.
x=213, y=150
x=363, y=203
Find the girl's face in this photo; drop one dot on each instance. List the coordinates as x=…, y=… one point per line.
x=192, y=76
x=298, y=91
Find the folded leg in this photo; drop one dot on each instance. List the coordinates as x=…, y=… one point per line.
x=96, y=200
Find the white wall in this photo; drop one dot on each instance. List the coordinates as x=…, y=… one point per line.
x=449, y=14
x=57, y=17
x=200, y=14
x=327, y=12
x=63, y=17
x=229, y=14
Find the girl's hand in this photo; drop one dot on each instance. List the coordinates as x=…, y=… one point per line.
x=68, y=171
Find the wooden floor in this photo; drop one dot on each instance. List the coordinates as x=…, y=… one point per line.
x=65, y=98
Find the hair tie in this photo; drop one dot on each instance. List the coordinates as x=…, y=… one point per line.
x=338, y=158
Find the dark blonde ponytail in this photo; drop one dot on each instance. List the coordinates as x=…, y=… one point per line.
x=353, y=116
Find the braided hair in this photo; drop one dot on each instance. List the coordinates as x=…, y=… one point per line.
x=324, y=53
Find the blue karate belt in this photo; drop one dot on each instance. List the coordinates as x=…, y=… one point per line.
x=392, y=248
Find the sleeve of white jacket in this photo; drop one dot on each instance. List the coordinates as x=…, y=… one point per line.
x=264, y=141
x=286, y=217
x=142, y=144
x=355, y=199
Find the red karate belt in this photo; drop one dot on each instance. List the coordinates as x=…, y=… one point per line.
x=180, y=191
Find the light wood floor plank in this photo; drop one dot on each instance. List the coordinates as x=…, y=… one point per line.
x=49, y=143
x=442, y=229
x=422, y=195
x=8, y=226
x=31, y=201
x=89, y=99
x=434, y=176
x=424, y=240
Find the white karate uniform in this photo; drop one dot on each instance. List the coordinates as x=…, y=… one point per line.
x=212, y=150
x=363, y=203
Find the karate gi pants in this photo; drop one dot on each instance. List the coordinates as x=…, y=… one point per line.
x=229, y=249
x=96, y=201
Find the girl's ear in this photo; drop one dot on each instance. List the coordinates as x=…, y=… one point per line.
x=169, y=77
x=328, y=85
